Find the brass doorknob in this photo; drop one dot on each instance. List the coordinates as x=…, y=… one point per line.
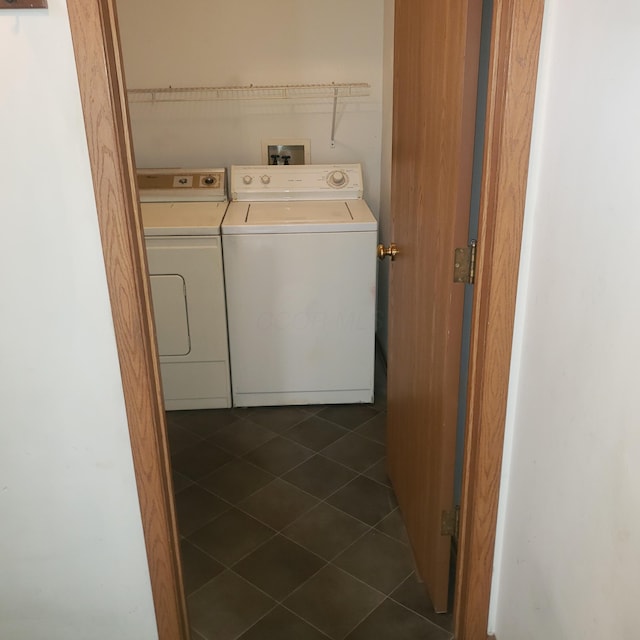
x=392, y=251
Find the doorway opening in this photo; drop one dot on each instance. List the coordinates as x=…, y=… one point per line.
x=515, y=44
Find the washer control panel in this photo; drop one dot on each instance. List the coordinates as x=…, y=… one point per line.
x=181, y=184
x=296, y=182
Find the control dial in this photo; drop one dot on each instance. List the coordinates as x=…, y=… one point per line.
x=265, y=179
x=337, y=179
x=247, y=179
x=209, y=181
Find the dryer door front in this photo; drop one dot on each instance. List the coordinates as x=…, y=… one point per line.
x=170, y=310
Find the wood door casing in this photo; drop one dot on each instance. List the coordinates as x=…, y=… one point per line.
x=513, y=67
x=435, y=82
x=94, y=31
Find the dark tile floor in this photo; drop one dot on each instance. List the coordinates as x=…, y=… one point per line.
x=290, y=530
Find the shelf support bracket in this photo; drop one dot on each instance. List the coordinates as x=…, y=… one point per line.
x=333, y=122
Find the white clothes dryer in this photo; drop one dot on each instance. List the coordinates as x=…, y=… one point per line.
x=300, y=268
x=182, y=210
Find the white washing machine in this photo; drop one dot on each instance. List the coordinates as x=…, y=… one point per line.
x=300, y=269
x=182, y=210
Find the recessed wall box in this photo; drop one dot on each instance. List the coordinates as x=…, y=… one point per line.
x=286, y=151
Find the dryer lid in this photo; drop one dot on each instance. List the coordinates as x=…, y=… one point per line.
x=182, y=218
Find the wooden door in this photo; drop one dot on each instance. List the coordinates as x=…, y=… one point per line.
x=435, y=82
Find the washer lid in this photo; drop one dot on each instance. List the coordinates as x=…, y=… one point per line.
x=298, y=217
x=182, y=218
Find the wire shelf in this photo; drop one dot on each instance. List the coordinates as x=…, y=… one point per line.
x=250, y=92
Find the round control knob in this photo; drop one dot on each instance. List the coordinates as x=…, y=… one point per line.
x=337, y=179
x=209, y=180
x=265, y=179
x=247, y=179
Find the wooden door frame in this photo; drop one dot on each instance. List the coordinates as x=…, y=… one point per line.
x=515, y=43
x=513, y=69
x=94, y=31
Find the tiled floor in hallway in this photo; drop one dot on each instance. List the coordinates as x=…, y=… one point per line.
x=290, y=530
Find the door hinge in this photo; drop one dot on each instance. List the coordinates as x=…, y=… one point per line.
x=464, y=268
x=450, y=522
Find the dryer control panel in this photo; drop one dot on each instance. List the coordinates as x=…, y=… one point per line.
x=181, y=185
x=296, y=182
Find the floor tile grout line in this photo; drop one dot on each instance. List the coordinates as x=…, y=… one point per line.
x=281, y=477
x=243, y=453
x=368, y=469
x=346, y=572
x=318, y=628
x=279, y=604
x=292, y=425
x=388, y=597
x=319, y=453
x=349, y=432
x=357, y=430
x=358, y=473
x=237, y=458
x=346, y=635
x=246, y=555
x=193, y=432
x=255, y=586
x=326, y=562
x=357, y=579
x=240, y=508
x=241, y=457
x=241, y=577
x=317, y=413
x=326, y=498
x=370, y=528
x=323, y=500
x=284, y=435
x=281, y=531
x=404, y=606
x=320, y=500
x=278, y=434
x=326, y=635
x=275, y=531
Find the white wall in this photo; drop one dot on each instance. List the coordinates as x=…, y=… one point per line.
x=221, y=43
x=568, y=548
x=72, y=557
